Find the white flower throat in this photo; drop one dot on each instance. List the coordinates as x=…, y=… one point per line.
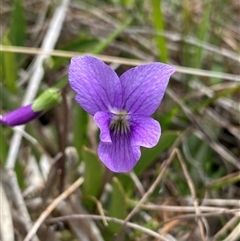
x=120, y=122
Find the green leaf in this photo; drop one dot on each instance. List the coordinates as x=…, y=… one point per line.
x=93, y=174
x=126, y=182
x=202, y=34
x=7, y=102
x=80, y=122
x=10, y=68
x=158, y=23
x=149, y=155
x=3, y=146
x=17, y=33
x=118, y=206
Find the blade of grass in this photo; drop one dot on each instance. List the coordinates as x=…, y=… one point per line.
x=118, y=204
x=186, y=19
x=79, y=129
x=104, y=44
x=10, y=68
x=17, y=28
x=158, y=23
x=92, y=178
x=3, y=147
x=202, y=34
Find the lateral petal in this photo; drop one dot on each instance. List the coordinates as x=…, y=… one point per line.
x=144, y=86
x=102, y=120
x=145, y=131
x=97, y=86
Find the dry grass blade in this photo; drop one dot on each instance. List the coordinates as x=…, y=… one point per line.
x=187, y=209
x=194, y=216
x=226, y=227
x=119, y=60
x=6, y=225
x=51, y=207
x=19, y=201
x=111, y=219
x=193, y=193
x=99, y=208
x=234, y=235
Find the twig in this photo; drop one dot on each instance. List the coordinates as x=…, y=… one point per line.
x=51, y=207
x=120, y=60
x=110, y=219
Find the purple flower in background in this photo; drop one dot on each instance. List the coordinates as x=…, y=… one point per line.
x=46, y=101
x=121, y=106
x=20, y=116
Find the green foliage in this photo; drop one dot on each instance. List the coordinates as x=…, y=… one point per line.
x=93, y=174
x=80, y=122
x=3, y=146
x=149, y=155
x=117, y=205
x=17, y=33
x=158, y=23
x=202, y=34
x=9, y=67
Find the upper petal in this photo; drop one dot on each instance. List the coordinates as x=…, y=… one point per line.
x=119, y=156
x=96, y=84
x=145, y=131
x=144, y=86
x=102, y=120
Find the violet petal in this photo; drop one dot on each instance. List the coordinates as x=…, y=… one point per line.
x=119, y=156
x=20, y=116
x=145, y=131
x=102, y=120
x=97, y=86
x=144, y=87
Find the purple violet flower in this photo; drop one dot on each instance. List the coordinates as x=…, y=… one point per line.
x=20, y=116
x=121, y=106
x=46, y=101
